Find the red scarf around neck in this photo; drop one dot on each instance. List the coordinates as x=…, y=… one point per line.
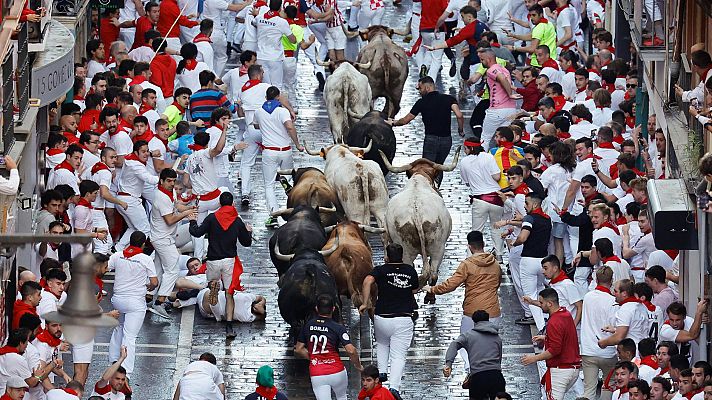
x=603, y=289
x=612, y=258
x=250, y=83
x=196, y=147
x=137, y=80
x=132, y=251
x=47, y=338
x=165, y=191
x=147, y=136
x=201, y=37
x=605, y=145
x=99, y=167
x=521, y=189
x=559, y=278
x=608, y=224
x=190, y=64
x=588, y=199
x=85, y=203
x=538, y=211
x=630, y=300
x=180, y=108
x=71, y=391
x=64, y=165
x=134, y=157
x=650, y=361
x=267, y=393
x=226, y=215
x=144, y=108
x=242, y=71
x=8, y=350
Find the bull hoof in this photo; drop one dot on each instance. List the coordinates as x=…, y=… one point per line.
x=429, y=298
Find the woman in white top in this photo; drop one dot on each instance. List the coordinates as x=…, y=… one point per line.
x=189, y=68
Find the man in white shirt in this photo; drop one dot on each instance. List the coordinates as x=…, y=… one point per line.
x=134, y=175
x=73, y=391
x=89, y=142
x=112, y=384
x=681, y=329
x=142, y=74
x=12, y=363
x=639, y=250
x=164, y=222
x=53, y=293
x=702, y=65
x=582, y=126
x=101, y=173
x=214, y=10
x=598, y=304
x=201, y=380
x=278, y=134
x=68, y=171
x=96, y=54
x=602, y=228
x=270, y=53
x=83, y=218
x=248, y=307
x=132, y=269
x=631, y=319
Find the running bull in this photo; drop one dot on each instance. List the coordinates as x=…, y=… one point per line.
x=312, y=189
x=347, y=95
x=359, y=183
x=417, y=217
x=306, y=279
x=388, y=69
x=372, y=127
x=303, y=230
x=352, y=261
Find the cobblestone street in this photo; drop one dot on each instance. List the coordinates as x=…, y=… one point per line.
x=165, y=347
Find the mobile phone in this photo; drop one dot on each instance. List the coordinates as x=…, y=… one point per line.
x=2, y=161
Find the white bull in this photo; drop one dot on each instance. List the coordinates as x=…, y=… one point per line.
x=418, y=219
x=347, y=95
x=358, y=183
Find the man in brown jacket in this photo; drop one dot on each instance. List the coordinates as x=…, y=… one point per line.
x=481, y=274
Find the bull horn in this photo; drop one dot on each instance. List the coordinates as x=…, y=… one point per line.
x=322, y=209
x=280, y=256
x=349, y=34
x=329, y=228
x=311, y=152
x=363, y=65
x=323, y=63
x=371, y=229
x=285, y=172
x=391, y=168
x=362, y=149
x=327, y=252
x=452, y=166
x=399, y=32
x=282, y=212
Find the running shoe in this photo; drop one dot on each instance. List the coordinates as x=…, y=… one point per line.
x=160, y=310
x=525, y=321
x=271, y=222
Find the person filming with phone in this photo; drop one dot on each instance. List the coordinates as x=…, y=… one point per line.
x=9, y=186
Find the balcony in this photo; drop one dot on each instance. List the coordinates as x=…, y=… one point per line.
x=649, y=34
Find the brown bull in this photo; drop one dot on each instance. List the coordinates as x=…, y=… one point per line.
x=352, y=261
x=388, y=69
x=312, y=189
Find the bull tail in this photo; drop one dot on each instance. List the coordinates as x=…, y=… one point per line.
x=366, y=197
x=426, y=277
x=347, y=117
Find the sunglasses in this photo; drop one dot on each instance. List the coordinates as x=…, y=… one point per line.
x=631, y=85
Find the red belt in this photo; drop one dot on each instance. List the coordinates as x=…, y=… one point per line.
x=275, y=148
x=416, y=14
x=99, y=209
x=637, y=268
x=289, y=53
x=124, y=194
x=567, y=46
x=210, y=195
x=568, y=366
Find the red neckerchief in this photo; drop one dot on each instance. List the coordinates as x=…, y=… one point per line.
x=630, y=300
x=603, y=289
x=627, y=96
x=134, y=157
x=190, y=64
x=606, y=145
x=543, y=21
x=100, y=283
x=622, y=391
x=496, y=44
x=71, y=391
x=201, y=37
x=165, y=191
x=8, y=350
x=144, y=108
x=50, y=340
x=121, y=127
x=581, y=91
x=559, y=278
x=267, y=393
x=83, y=147
x=618, y=139
x=570, y=69
x=611, y=87
x=690, y=394
x=650, y=306
x=609, y=224
x=562, y=8
x=180, y=108
x=54, y=152
x=64, y=165
x=132, y=251
x=98, y=167
x=506, y=144
x=78, y=97
x=593, y=70
x=550, y=63
x=621, y=220
x=225, y=216
x=84, y=202
x=521, y=189
x=672, y=253
x=611, y=49
x=242, y=71
x=563, y=135
x=664, y=371
x=613, y=258
x=164, y=141
x=538, y=211
x=271, y=14
x=559, y=102
x=250, y=83
x=630, y=122
x=137, y=80
x=195, y=147
x=147, y=136
x=594, y=156
x=588, y=199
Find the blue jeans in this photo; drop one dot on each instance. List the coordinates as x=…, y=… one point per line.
x=436, y=149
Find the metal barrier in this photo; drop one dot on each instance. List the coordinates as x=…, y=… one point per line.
x=8, y=95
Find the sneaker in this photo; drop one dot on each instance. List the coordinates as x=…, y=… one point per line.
x=525, y=321
x=271, y=222
x=245, y=201
x=655, y=41
x=453, y=69
x=214, y=287
x=322, y=81
x=230, y=330
x=423, y=71
x=160, y=310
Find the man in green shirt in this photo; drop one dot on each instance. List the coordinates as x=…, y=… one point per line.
x=543, y=33
x=291, y=50
x=176, y=111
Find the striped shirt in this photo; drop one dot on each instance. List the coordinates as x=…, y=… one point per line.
x=337, y=19
x=204, y=101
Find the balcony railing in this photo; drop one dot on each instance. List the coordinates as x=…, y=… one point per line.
x=22, y=73
x=648, y=20
x=68, y=7
x=7, y=139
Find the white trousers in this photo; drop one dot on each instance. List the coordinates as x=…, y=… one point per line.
x=167, y=260
x=324, y=384
x=466, y=324
x=252, y=136
x=219, y=49
x=249, y=45
x=562, y=379
x=136, y=220
x=132, y=312
x=368, y=17
x=290, y=77
x=432, y=59
x=483, y=211
x=532, y=279
x=174, y=43
x=415, y=31
x=99, y=221
x=274, y=72
x=515, y=259
x=319, y=31
x=393, y=337
x=494, y=118
x=272, y=161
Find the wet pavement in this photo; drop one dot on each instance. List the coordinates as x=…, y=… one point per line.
x=167, y=346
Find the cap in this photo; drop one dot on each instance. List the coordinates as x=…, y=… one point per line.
x=15, y=382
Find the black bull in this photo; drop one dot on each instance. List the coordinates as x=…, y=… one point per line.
x=301, y=285
x=372, y=127
x=303, y=230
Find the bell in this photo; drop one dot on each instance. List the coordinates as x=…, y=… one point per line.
x=80, y=315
